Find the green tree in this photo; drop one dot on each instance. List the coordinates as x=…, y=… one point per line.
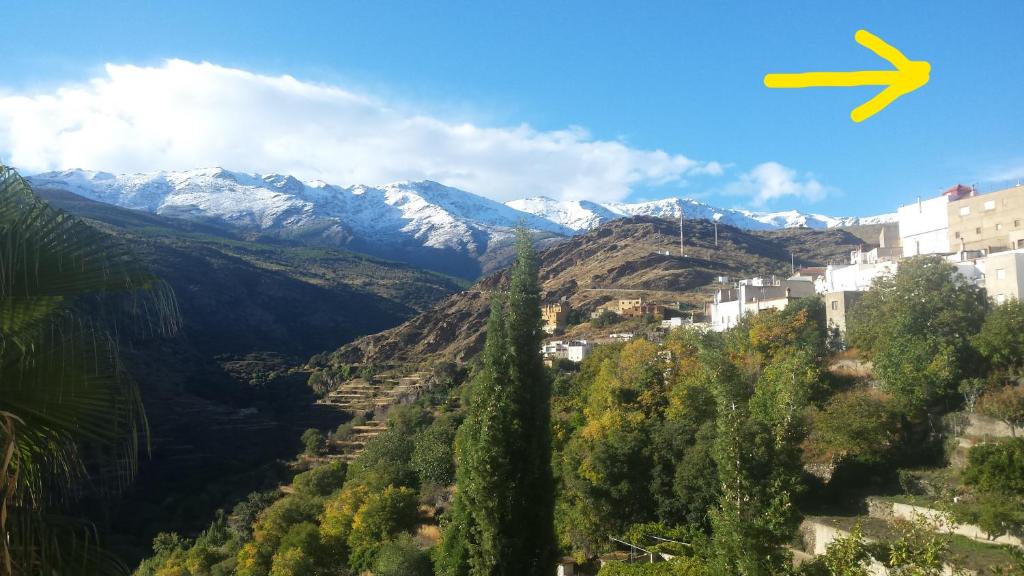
x=314, y=442
x=402, y=557
x=917, y=326
x=762, y=384
x=382, y=516
x=605, y=318
x=921, y=548
x=292, y=562
x=68, y=411
x=322, y=480
x=1001, y=339
x=997, y=467
x=857, y=425
x=386, y=461
x=433, y=458
x=607, y=465
x=503, y=472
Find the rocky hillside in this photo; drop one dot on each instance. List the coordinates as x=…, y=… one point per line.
x=638, y=255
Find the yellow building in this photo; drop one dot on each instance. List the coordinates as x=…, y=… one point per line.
x=555, y=316
x=990, y=222
x=626, y=305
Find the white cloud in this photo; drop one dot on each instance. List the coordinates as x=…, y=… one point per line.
x=184, y=115
x=771, y=181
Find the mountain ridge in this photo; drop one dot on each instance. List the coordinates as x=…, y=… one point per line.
x=424, y=223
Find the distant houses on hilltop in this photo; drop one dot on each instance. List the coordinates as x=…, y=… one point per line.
x=981, y=234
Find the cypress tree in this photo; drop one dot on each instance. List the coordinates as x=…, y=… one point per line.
x=502, y=521
x=536, y=495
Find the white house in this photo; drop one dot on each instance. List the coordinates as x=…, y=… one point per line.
x=572, y=350
x=854, y=277
x=751, y=296
x=673, y=323
x=924, y=225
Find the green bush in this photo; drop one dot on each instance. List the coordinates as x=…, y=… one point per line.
x=386, y=461
x=314, y=442
x=322, y=480
x=859, y=425
x=997, y=467
x=605, y=318
x=402, y=558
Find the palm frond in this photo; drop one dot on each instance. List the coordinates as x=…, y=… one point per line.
x=71, y=417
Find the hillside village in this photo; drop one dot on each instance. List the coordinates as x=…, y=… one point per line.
x=978, y=234
x=981, y=234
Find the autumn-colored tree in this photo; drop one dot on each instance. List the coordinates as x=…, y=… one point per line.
x=1005, y=404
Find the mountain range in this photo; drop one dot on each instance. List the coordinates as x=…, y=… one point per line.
x=424, y=223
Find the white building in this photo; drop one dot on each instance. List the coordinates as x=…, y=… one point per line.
x=751, y=296
x=673, y=323
x=1000, y=273
x=572, y=350
x=924, y=225
x=854, y=277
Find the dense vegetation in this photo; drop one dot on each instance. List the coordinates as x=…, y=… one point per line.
x=709, y=449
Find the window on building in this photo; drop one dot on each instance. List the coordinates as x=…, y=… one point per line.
x=956, y=235
x=999, y=226
x=835, y=304
x=965, y=210
x=977, y=230
x=1001, y=274
x=1016, y=223
x=990, y=205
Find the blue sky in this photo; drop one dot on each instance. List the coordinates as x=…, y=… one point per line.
x=684, y=78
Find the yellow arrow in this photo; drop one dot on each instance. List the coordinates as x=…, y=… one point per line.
x=908, y=76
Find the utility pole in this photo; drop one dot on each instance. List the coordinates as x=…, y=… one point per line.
x=792, y=264
x=681, y=231
x=716, y=232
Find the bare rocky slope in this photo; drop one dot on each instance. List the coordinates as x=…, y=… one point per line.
x=634, y=256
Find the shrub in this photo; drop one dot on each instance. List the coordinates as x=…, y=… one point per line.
x=314, y=442
x=386, y=461
x=605, y=318
x=997, y=467
x=402, y=558
x=322, y=480
x=244, y=514
x=857, y=425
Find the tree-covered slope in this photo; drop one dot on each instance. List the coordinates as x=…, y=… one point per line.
x=638, y=255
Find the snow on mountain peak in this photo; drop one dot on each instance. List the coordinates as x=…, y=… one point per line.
x=423, y=214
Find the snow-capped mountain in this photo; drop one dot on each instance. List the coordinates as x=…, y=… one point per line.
x=583, y=215
x=424, y=223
